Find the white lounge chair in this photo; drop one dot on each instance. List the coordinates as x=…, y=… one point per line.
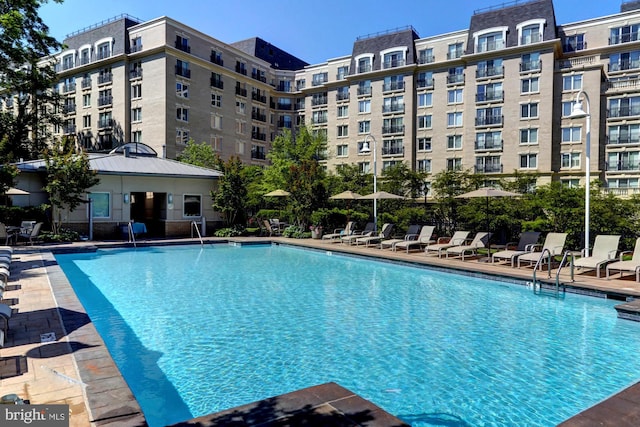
x=412, y=234
x=632, y=264
x=605, y=250
x=423, y=239
x=339, y=232
x=554, y=242
x=368, y=231
x=385, y=233
x=443, y=243
x=481, y=240
x=526, y=243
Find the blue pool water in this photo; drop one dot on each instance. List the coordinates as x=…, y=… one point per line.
x=198, y=330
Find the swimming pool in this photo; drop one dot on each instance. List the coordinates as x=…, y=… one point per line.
x=198, y=330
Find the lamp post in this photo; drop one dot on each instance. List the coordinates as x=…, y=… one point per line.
x=578, y=112
x=366, y=150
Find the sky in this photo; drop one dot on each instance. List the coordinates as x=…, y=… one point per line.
x=314, y=31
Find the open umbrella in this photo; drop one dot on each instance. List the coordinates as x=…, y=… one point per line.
x=16, y=192
x=487, y=192
x=348, y=196
x=378, y=195
x=277, y=193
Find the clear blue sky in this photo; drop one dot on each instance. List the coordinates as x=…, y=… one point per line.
x=314, y=31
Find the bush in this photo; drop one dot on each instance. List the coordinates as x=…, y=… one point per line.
x=63, y=235
x=236, y=230
x=296, y=232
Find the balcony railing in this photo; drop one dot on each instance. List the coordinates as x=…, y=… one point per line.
x=260, y=136
x=393, y=151
x=282, y=106
x=497, y=96
x=284, y=124
x=318, y=82
x=489, y=120
x=105, y=123
x=624, y=38
x=574, y=47
x=69, y=108
x=488, y=145
x=241, y=91
x=455, y=78
x=484, y=72
x=86, y=83
x=342, y=96
x=531, y=65
x=531, y=38
x=259, y=97
x=364, y=68
x=69, y=129
x=490, y=46
x=622, y=166
x=392, y=129
x=622, y=191
x=135, y=74
x=319, y=100
x=241, y=69
x=105, y=100
x=393, y=108
x=425, y=83
x=394, y=63
x=256, y=115
x=624, y=65
x=623, y=140
x=488, y=168
x=68, y=87
x=184, y=72
x=135, y=48
x=217, y=82
x=366, y=90
x=426, y=59
x=259, y=76
x=258, y=155
x=183, y=47
x=623, y=111
x=216, y=60
x=454, y=54
x=105, y=78
x=388, y=87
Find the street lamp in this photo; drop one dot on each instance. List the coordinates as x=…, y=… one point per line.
x=577, y=113
x=366, y=150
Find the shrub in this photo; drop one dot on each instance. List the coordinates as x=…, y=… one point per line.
x=236, y=230
x=63, y=235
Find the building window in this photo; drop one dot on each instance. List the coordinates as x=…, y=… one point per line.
x=392, y=83
x=192, y=205
x=216, y=122
x=342, y=150
x=624, y=34
x=343, y=131
x=424, y=122
x=624, y=107
x=530, y=62
x=136, y=114
x=319, y=117
x=531, y=33
x=489, y=92
x=570, y=183
x=491, y=41
x=394, y=104
x=182, y=43
x=182, y=114
x=572, y=82
x=364, y=106
x=86, y=121
x=343, y=111
x=425, y=99
x=182, y=136
x=454, y=119
x=136, y=136
x=216, y=100
x=529, y=136
x=425, y=79
x=85, y=56
x=104, y=50
x=393, y=59
x=343, y=71
x=454, y=164
x=239, y=147
x=424, y=144
x=136, y=44
x=100, y=204
x=67, y=61
x=216, y=142
x=182, y=90
x=454, y=142
x=489, y=68
x=571, y=134
x=86, y=100
x=319, y=78
x=570, y=161
x=182, y=69
x=574, y=43
x=529, y=111
x=364, y=126
x=364, y=64
x=454, y=96
x=136, y=91
x=455, y=50
x=364, y=87
x=624, y=134
x=424, y=165
x=528, y=161
x=364, y=167
x=530, y=85
x=241, y=127
x=425, y=56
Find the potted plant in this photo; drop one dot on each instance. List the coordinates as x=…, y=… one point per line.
x=316, y=231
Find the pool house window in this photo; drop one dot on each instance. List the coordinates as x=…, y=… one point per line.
x=192, y=205
x=101, y=204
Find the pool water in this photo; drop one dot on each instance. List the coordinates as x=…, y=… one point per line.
x=197, y=330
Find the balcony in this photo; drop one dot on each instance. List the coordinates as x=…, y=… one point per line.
x=386, y=130
x=216, y=59
x=488, y=168
x=424, y=83
x=217, y=83
x=393, y=86
x=364, y=68
x=256, y=115
x=426, y=59
x=342, y=96
x=259, y=97
x=319, y=100
x=485, y=72
x=488, y=145
x=105, y=123
x=393, y=151
x=260, y=136
x=622, y=191
x=68, y=87
x=183, y=46
x=241, y=69
x=624, y=38
x=624, y=65
x=184, y=72
x=574, y=47
x=258, y=155
x=622, y=167
x=105, y=78
x=135, y=74
x=526, y=66
x=455, y=79
x=69, y=129
x=364, y=91
x=86, y=83
x=259, y=76
x=69, y=108
x=454, y=54
x=489, y=120
x=105, y=100
x=135, y=48
x=623, y=140
x=284, y=124
x=495, y=96
x=241, y=91
x=531, y=38
x=618, y=112
x=393, y=108
x=490, y=46
x=394, y=63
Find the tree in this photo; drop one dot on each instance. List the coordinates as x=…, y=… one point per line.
x=68, y=177
x=199, y=155
x=230, y=198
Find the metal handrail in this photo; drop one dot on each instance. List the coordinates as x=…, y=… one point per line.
x=564, y=258
x=195, y=225
x=535, y=269
x=132, y=236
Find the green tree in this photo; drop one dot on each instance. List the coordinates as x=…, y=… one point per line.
x=230, y=198
x=68, y=178
x=199, y=155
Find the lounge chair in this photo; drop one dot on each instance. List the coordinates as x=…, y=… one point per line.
x=368, y=231
x=31, y=235
x=339, y=232
x=605, y=250
x=385, y=233
x=481, y=240
x=632, y=264
x=443, y=243
x=412, y=234
x=422, y=240
x=4, y=234
x=5, y=315
x=513, y=250
x=269, y=229
x=554, y=242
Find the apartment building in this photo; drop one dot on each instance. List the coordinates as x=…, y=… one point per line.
x=495, y=98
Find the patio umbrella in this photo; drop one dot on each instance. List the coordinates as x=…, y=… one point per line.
x=278, y=193
x=348, y=196
x=378, y=195
x=16, y=192
x=487, y=192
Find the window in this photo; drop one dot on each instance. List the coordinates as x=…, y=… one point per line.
x=136, y=114
x=182, y=136
x=392, y=83
x=394, y=104
x=489, y=140
x=216, y=142
x=239, y=147
x=100, y=204
x=455, y=75
x=530, y=62
x=136, y=136
x=135, y=70
x=424, y=122
x=530, y=85
x=624, y=107
x=489, y=68
x=191, y=205
x=182, y=43
x=216, y=122
x=571, y=134
x=624, y=34
x=529, y=136
x=623, y=161
x=182, y=114
x=343, y=71
x=491, y=41
x=182, y=69
x=364, y=64
x=364, y=106
x=454, y=142
x=425, y=56
x=425, y=99
x=624, y=134
x=104, y=120
x=319, y=117
x=136, y=91
x=570, y=183
x=319, y=78
x=570, y=161
x=574, y=43
x=454, y=50
x=182, y=90
x=624, y=61
x=86, y=100
x=528, y=161
x=393, y=59
x=67, y=61
x=572, y=82
x=489, y=92
x=364, y=87
x=424, y=165
x=342, y=150
x=136, y=44
x=241, y=107
x=343, y=111
x=454, y=164
x=364, y=167
x=529, y=111
x=364, y=126
x=424, y=144
x=425, y=79
x=104, y=50
x=241, y=127
x=488, y=164
x=86, y=121
x=389, y=164
x=84, y=56
x=216, y=100
x=567, y=108
x=454, y=96
x=342, y=131
x=530, y=34
x=454, y=119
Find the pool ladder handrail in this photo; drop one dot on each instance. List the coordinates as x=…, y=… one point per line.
x=132, y=235
x=194, y=224
x=537, y=286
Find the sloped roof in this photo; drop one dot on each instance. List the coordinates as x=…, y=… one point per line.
x=118, y=164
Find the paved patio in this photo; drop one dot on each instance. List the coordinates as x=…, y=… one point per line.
x=53, y=354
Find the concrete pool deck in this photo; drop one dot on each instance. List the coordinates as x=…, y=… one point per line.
x=53, y=354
